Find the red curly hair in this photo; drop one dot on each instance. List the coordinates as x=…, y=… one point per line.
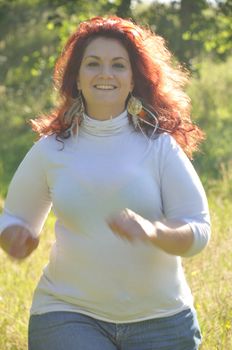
x=157, y=81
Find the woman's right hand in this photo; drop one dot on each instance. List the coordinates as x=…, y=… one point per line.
x=18, y=242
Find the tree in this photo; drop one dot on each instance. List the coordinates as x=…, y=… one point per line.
x=193, y=29
x=124, y=9
x=190, y=13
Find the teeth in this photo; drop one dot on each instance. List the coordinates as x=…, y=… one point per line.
x=105, y=87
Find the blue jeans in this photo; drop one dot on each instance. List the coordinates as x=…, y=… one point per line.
x=74, y=331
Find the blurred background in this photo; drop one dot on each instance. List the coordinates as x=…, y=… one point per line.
x=32, y=34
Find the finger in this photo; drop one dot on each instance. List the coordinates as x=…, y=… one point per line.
x=18, y=252
x=113, y=226
x=32, y=243
x=17, y=242
x=118, y=231
x=23, y=246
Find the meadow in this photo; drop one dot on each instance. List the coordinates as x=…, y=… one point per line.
x=209, y=275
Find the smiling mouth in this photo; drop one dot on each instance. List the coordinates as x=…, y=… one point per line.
x=105, y=87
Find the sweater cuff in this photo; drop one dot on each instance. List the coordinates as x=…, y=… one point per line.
x=201, y=232
x=7, y=220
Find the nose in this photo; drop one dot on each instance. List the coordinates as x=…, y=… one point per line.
x=106, y=71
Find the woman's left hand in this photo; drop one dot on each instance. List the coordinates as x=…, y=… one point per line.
x=131, y=226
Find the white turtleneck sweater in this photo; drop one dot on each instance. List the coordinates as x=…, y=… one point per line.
x=105, y=168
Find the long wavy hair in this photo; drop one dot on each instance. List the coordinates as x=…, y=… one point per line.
x=158, y=82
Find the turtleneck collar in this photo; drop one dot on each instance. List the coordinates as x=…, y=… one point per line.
x=105, y=127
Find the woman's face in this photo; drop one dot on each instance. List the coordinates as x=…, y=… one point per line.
x=105, y=78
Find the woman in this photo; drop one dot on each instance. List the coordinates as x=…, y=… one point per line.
x=111, y=161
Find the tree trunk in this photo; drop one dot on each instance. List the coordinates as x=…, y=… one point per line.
x=189, y=12
x=124, y=9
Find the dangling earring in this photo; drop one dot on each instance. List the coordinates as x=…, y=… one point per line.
x=74, y=116
x=134, y=108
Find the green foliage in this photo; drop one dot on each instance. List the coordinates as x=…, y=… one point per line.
x=163, y=19
x=16, y=137
x=212, y=107
x=191, y=28
x=31, y=41
x=212, y=32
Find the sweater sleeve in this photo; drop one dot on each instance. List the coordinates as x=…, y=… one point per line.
x=183, y=195
x=28, y=201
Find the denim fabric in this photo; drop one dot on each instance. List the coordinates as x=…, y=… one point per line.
x=73, y=331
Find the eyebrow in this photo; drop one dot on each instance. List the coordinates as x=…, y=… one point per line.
x=114, y=59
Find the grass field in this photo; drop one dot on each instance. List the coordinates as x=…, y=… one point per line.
x=209, y=275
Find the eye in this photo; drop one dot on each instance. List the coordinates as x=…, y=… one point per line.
x=119, y=65
x=92, y=64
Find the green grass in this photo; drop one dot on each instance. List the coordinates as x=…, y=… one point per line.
x=17, y=283
x=209, y=275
